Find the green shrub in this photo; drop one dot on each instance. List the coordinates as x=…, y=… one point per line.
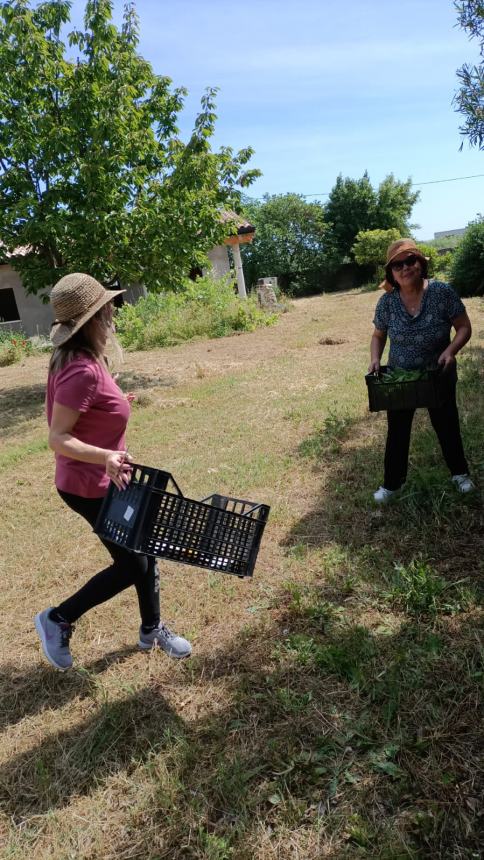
x=442, y=267
x=14, y=346
x=435, y=262
x=370, y=249
x=205, y=308
x=467, y=270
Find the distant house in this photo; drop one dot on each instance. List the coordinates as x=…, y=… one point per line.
x=19, y=310
x=459, y=231
x=448, y=240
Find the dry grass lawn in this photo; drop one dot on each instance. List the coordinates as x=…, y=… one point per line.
x=331, y=706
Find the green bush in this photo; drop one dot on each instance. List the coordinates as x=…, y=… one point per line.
x=205, y=308
x=14, y=346
x=370, y=249
x=436, y=263
x=467, y=269
x=442, y=267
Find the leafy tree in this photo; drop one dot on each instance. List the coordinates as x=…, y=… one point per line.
x=437, y=263
x=469, y=99
x=93, y=174
x=370, y=248
x=354, y=205
x=467, y=269
x=289, y=242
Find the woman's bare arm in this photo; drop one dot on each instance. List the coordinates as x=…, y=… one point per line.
x=377, y=345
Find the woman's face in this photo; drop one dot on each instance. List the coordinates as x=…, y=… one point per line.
x=100, y=325
x=406, y=269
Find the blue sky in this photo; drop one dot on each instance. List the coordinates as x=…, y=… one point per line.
x=322, y=87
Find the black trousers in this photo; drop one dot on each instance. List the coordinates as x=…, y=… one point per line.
x=128, y=568
x=445, y=422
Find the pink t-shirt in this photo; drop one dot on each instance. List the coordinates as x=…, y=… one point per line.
x=86, y=386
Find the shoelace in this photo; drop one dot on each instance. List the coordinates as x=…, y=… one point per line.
x=165, y=632
x=66, y=631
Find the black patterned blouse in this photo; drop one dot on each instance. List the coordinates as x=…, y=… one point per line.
x=416, y=342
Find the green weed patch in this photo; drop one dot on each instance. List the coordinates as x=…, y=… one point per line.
x=205, y=308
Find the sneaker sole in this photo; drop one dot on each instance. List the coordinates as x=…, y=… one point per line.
x=40, y=631
x=143, y=646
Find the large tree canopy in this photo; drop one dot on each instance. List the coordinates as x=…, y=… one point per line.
x=93, y=174
x=469, y=99
x=354, y=205
x=289, y=242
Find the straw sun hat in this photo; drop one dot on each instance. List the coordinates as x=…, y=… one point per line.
x=75, y=299
x=399, y=247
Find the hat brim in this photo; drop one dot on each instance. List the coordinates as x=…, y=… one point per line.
x=414, y=251
x=388, y=266
x=61, y=332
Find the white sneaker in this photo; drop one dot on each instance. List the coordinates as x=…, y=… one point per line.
x=382, y=495
x=463, y=483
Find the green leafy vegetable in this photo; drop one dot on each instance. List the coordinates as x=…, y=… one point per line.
x=398, y=374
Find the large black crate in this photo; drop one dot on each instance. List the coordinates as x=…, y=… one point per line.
x=428, y=393
x=218, y=533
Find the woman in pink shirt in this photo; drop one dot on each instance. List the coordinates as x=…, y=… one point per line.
x=87, y=414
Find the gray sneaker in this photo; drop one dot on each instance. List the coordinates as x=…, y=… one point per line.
x=464, y=483
x=162, y=637
x=55, y=640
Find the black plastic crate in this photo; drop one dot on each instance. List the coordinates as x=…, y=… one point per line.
x=218, y=533
x=428, y=393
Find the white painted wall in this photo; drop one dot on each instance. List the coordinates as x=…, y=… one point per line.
x=35, y=317
x=219, y=260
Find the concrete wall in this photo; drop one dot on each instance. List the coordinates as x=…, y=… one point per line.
x=219, y=260
x=35, y=317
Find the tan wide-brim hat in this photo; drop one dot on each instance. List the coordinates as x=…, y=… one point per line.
x=75, y=299
x=401, y=246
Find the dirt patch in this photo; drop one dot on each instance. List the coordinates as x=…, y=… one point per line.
x=331, y=341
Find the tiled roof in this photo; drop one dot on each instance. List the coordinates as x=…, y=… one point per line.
x=243, y=226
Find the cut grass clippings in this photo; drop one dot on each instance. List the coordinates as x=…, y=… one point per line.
x=332, y=704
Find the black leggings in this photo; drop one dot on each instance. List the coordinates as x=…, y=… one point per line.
x=445, y=422
x=128, y=568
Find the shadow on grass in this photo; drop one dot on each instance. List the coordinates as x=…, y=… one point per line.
x=74, y=761
x=26, y=402
x=345, y=738
x=20, y=404
x=428, y=518
x=128, y=380
x=348, y=724
x=23, y=694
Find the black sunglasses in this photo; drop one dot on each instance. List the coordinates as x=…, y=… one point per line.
x=408, y=261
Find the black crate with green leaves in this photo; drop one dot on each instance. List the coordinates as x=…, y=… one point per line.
x=394, y=388
x=152, y=516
